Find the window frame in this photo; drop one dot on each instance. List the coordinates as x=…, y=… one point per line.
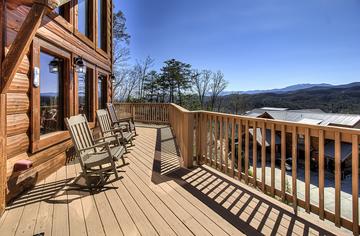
x=40, y=142
x=92, y=98
x=90, y=41
x=105, y=89
x=105, y=25
x=67, y=21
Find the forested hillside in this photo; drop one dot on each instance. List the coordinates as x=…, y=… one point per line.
x=339, y=99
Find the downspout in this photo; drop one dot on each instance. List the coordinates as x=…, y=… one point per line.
x=112, y=50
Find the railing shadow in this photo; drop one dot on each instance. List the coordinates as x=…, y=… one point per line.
x=245, y=210
x=167, y=154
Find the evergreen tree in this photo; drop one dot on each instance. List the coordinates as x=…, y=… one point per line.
x=176, y=76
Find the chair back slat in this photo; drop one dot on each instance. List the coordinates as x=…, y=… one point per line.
x=80, y=132
x=112, y=112
x=104, y=122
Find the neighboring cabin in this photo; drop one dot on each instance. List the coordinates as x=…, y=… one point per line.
x=56, y=62
x=313, y=117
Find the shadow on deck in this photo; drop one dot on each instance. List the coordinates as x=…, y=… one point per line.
x=250, y=213
x=154, y=196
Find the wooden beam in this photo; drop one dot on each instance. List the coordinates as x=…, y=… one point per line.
x=3, y=155
x=54, y=3
x=51, y=4
x=3, y=134
x=21, y=44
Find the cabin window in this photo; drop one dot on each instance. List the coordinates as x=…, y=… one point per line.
x=84, y=14
x=64, y=11
x=84, y=99
x=51, y=73
x=101, y=27
x=102, y=92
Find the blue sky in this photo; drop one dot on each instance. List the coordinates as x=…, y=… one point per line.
x=257, y=44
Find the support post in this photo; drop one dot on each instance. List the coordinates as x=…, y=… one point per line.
x=3, y=155
x=188, y=127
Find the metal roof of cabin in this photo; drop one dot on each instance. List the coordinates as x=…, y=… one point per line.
x=348, y=120
x=267, y=138
x=346, y=150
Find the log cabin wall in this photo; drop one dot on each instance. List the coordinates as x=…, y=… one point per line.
x=61, y=36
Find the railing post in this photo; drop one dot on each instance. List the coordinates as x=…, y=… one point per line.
x=188, y=129
x=198, y=137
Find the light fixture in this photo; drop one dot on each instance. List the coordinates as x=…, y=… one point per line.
x=54, y=65
x=113, y=78
x=80, y=66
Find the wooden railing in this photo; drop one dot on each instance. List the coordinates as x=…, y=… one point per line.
x=144, y=112
x=182, y=124
x=228, y=143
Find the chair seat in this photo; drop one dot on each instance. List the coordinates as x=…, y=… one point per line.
x=117, y=152
x=128, y=135
x=96, y=159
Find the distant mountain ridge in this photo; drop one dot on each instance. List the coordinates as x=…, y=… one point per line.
x=287, y=89
x=335, y=99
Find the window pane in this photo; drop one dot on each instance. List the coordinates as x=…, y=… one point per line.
x=50, y=95
x=83, y=17
x=62, y=11
x=101, y=94
x=83, y=93
x=101, y=28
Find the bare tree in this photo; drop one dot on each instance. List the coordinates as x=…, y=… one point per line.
x=201, y=81
x=218, y=85
x=141, y=70
x=121, y=40
x=121, y=55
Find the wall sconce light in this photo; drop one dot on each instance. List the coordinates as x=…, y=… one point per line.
x=80, y=66
x=54, y=65
x=113, y=78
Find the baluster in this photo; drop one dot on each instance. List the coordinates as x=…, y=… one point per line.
x=283, y=158
x=307, y=170
x=355, y=183
x=232, y=145
x=211, y=139
x=273, y=159
x=216, y=127
x=221, y=142
x=294, y=167
x=246, y=151
x=263, y=157
x=321, y=174
x=337, y=178
x=226, y=145
x=254, y=154
x=239, y=149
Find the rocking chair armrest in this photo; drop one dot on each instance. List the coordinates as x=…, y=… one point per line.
x=121, y=123
x=104, y=138
x=114, y=131
x=97, y=145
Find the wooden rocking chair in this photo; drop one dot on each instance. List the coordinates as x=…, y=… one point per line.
x=128, y=121
x=96, y=157
x=108, y=130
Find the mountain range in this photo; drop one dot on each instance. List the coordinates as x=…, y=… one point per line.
x=329, y=98
x=292, y=88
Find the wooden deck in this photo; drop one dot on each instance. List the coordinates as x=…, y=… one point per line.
x=154, y=197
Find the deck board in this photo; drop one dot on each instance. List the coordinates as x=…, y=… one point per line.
x=76, y=215
x=154, y=196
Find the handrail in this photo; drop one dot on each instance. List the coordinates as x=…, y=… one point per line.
x=225, y=142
